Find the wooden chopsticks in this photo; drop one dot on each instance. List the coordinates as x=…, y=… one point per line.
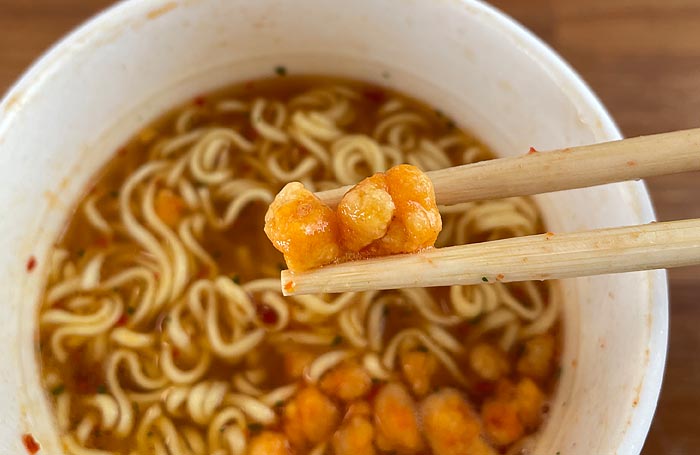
x=536, y=257
x=565, y=169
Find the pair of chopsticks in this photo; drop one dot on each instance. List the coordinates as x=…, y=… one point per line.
x=534, y=257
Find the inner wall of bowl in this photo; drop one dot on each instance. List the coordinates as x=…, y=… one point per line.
x=100, y=86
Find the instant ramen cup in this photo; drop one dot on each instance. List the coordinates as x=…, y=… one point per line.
x=70, y=112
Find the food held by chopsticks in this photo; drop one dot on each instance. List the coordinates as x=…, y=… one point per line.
x=387, y=213
x=535, y=257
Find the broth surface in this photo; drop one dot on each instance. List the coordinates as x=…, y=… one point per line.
x=163, y=329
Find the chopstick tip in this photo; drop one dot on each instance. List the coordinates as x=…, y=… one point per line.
x=287, y=282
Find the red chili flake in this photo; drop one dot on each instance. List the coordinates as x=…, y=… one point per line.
x=176, y=353
x=532, y=150
x=199, y=100
x=464, y=328
x=83, y=384
x=548, y=235
x=86, y=383
x=156, y=275
x=121, y=151
x=289, y=286
x=30, y=443
x=249, y=85
x=250, y=133
x=122, y=320
x=203, y=272
x=484, y=387
x=31, y=263
x=631, y=163
x=375, y=96
x=500, y=277
x=267, y=314
x=102, y=241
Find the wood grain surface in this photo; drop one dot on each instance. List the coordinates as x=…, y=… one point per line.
x=642, y=57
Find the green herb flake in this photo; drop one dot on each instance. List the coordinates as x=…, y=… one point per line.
x=80, y=253
x=149, y=434
x=281, y=70
x=101, y=389
x=386, y=74
x=236, y=279
x=337, y=340
x=422, y=348
x=255, y=427
x=130, y=310
x=385, y=311
x=484, y=279
x=59, y=389
x=281, y=266
x=559, y=372
x=279, y=403
x=114, y=194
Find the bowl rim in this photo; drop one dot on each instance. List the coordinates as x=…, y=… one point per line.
x=568, y=80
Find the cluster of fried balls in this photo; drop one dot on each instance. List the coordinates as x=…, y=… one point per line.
x=388, y=213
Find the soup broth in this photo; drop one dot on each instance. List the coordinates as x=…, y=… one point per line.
x=163, y=329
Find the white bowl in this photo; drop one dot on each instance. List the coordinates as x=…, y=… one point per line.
x=67, y=115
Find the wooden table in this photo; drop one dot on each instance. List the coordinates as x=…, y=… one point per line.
x=642, y=57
